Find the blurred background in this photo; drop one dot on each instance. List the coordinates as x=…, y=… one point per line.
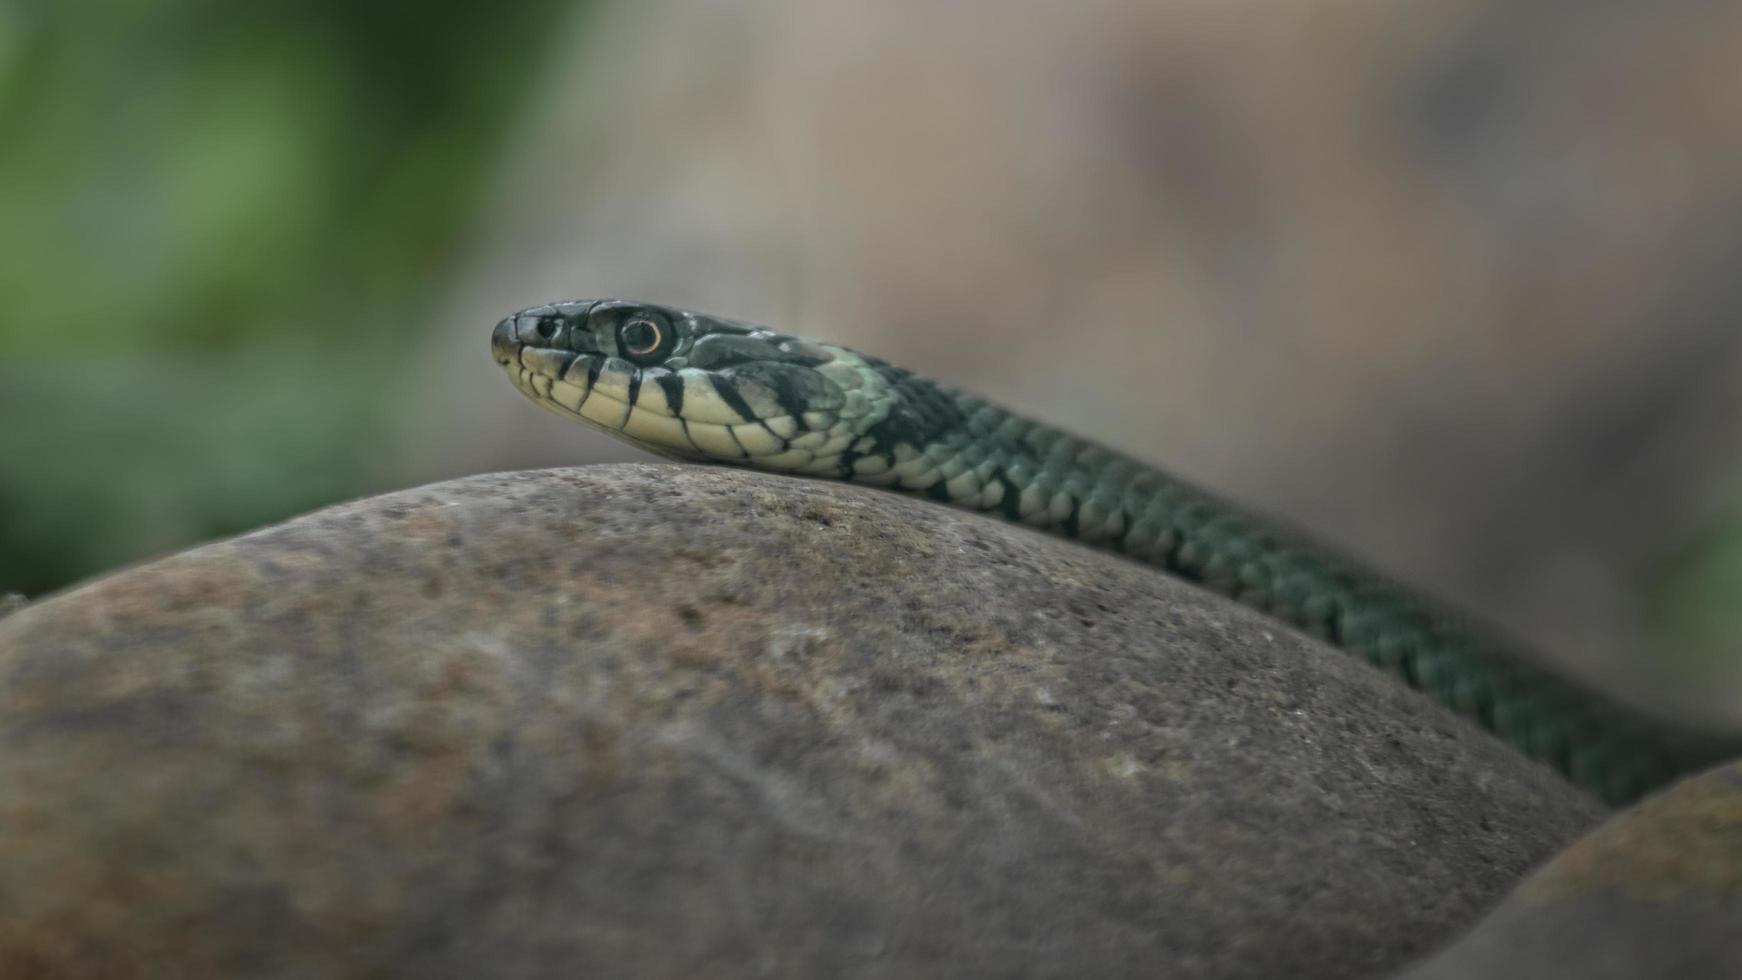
x=1456, y=284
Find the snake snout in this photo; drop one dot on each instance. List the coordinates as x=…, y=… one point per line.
x=503, y=347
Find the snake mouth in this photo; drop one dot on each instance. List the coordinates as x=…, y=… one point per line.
x=604, y=392
x=690, y=414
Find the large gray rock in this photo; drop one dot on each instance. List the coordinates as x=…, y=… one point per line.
x=1654, y=892
x=651, y=721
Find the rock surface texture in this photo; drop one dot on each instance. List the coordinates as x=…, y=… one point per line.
x=660, y=721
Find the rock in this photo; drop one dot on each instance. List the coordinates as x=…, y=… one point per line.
x=1654, y=892
x=658, y=721
x=11, y=602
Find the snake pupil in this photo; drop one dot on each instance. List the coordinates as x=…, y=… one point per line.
x=640, y=337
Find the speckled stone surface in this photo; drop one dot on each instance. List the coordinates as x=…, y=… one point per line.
x=1654, y=892
x=652, y=721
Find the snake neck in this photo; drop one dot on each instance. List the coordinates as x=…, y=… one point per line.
x=930, y=440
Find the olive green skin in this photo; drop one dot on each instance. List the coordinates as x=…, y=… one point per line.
x=696, y=387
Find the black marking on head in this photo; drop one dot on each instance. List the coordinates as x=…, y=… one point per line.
x=794, y=389
x=634, y=388
x=919, y=413
x=594, y=364
x=785, y=443
x=788, y=399
x=729, y=394
x=672, y=385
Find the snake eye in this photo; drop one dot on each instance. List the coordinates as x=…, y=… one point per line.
x=643, y=338
x=546, y=327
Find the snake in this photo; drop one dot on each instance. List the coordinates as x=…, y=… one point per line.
x=701, y=388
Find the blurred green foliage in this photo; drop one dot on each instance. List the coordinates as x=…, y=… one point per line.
x=218, y=223
x=1694, y=608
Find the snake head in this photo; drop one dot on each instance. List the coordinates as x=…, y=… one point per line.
x=689, y=385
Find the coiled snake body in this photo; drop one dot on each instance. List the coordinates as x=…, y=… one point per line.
x=705, y=388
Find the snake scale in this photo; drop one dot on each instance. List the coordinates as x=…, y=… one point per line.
x=704, y=388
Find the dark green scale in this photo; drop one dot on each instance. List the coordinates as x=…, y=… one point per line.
x=1603, y=746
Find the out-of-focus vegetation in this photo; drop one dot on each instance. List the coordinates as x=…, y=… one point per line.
x=1695, y=604
x=219, y=224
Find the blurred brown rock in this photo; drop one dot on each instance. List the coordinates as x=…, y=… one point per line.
x=1655, y=892
x=650, y=721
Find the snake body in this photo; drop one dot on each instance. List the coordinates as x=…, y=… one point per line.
x=705, y=388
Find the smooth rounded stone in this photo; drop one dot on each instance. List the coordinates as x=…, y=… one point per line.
x=663, y=721
x=1654, y=892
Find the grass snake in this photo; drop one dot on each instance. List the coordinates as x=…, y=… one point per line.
x=704, y=388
